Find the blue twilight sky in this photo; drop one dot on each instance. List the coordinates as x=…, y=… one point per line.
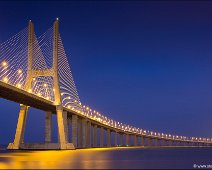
x=148, y=64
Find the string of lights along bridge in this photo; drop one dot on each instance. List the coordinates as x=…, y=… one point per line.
x=34, y=71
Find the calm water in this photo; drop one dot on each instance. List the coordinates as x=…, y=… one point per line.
x=126, y=158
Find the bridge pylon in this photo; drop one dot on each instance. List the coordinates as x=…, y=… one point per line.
x=63, y=143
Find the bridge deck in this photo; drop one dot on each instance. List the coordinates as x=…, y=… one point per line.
x=15, y=94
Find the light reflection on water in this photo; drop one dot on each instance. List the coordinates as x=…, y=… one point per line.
x=107, y=158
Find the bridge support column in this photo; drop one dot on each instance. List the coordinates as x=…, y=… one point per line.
x=48, y=127
x=88, y=134
x=127, y=140
x=187, y=143
x=20, y=129
x=130, y=140
x=167, y=143
x=121, y=139
x=149, y=141
x=115, y=139
x=142, y=141
x=156, y=142
x=62, y=127
x=95, y=136
x=172, y=143
x=183, y=143
x=84, y=133
x=163, y=141
x=135, y=140
x=69, y=123
x=79, y=133
x=101, y=137
x=108, y=138
x=74, y=130
x=65, y=119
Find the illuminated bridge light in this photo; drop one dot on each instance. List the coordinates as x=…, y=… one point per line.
x=4, y=63
x=19, y=71
x=5, y=79
x=18, y=85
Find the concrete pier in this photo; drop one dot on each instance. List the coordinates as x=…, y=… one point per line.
x=142, y=141
x=88, y=135
x=127, y=140
x=149, y=142
x=108, y=138
x=61, y=121
x=20, y=129
x=135, y=140
x=101, y=137
x=79, y=133
x=115, y=138
x=84, y=133
x=48, y=127
x=121, y=139
x=95, y=136
x=74, y=130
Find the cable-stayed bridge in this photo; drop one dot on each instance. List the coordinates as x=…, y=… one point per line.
x=34, y=71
